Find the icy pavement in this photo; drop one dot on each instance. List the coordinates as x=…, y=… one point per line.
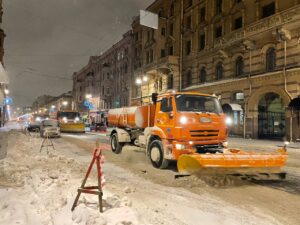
x=39, y=189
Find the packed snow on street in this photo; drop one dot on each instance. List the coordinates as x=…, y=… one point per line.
x=39, y=189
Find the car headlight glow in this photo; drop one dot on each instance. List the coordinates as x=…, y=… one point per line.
x=65, y=119
x=38, y=119
x=183, y=120
x=228, y=121
x=76, y=119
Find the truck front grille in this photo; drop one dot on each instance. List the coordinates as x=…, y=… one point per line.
x=204, y=133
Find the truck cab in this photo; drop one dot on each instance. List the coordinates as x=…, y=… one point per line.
x=187, y=123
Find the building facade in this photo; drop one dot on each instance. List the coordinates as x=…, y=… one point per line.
x=246, y=52
x=38, y=106
x=106, y=80
x=3, y=78
x=156, y=52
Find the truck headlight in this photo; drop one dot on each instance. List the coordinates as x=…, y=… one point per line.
x=180, y=146
x=76, y=119
x=65, y=119
x=183, y=120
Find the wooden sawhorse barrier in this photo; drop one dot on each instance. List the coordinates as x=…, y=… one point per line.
x=98, y=158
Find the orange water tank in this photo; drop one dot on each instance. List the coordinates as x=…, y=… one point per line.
x=131, y=117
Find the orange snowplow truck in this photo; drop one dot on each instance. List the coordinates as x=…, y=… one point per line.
x=188, y=127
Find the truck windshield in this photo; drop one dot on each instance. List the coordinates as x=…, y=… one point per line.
x=197, y=103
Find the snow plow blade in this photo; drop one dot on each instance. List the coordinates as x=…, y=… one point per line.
x=233, y=162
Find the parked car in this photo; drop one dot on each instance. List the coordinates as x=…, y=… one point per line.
x=50, y=128
x=35, y=122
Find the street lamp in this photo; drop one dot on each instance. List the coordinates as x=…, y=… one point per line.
x=88, y=96
x=65, y=103
x=139, y=81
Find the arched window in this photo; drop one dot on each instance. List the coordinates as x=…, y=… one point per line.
x=271, y=59
x=189, y=78
x=219, y=71
x=239, y=66
x=202, y=75
x=170, y=81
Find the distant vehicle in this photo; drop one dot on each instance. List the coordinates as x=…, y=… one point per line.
x=70, y=121
x=49, y=128
x=35, y=122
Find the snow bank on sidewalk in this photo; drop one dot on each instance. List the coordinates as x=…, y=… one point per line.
x=40, y=189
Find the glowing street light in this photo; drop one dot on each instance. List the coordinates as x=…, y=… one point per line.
x=52, y=106
x=138, y=81
x=145, y=78
x=65, y=103
x=87, y=96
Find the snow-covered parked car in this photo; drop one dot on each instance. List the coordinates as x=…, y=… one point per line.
x=50, y=128
x=35, y=122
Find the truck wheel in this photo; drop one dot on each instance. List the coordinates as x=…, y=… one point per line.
x=156, y=155
x=116, y=146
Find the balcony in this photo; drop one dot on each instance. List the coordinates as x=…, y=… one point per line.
x=162, y=63
x=260, y=26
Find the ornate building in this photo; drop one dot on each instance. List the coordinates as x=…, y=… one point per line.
x=106, y=79
x=247, y=52
x=156, y=52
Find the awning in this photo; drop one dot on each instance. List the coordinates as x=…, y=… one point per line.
x=228, y=107
x=3, y=75
x=295, y=104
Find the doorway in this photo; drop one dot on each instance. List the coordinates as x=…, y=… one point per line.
x=271, y=117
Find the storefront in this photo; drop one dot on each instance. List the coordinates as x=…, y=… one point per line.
x=236, y=113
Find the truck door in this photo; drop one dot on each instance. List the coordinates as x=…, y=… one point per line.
x=165, y=115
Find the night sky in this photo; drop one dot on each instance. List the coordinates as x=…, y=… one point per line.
x=48, y=40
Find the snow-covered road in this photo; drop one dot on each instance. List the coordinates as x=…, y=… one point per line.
x=39, y=189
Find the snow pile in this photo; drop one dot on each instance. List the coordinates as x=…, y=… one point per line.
x=40, y=189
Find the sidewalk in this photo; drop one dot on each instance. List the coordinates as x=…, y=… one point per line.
x=257, y=144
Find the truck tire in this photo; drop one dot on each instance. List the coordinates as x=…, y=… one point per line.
x=116, y=146
x=156, y=155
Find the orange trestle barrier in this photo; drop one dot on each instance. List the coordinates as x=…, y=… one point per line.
x=99, y=159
